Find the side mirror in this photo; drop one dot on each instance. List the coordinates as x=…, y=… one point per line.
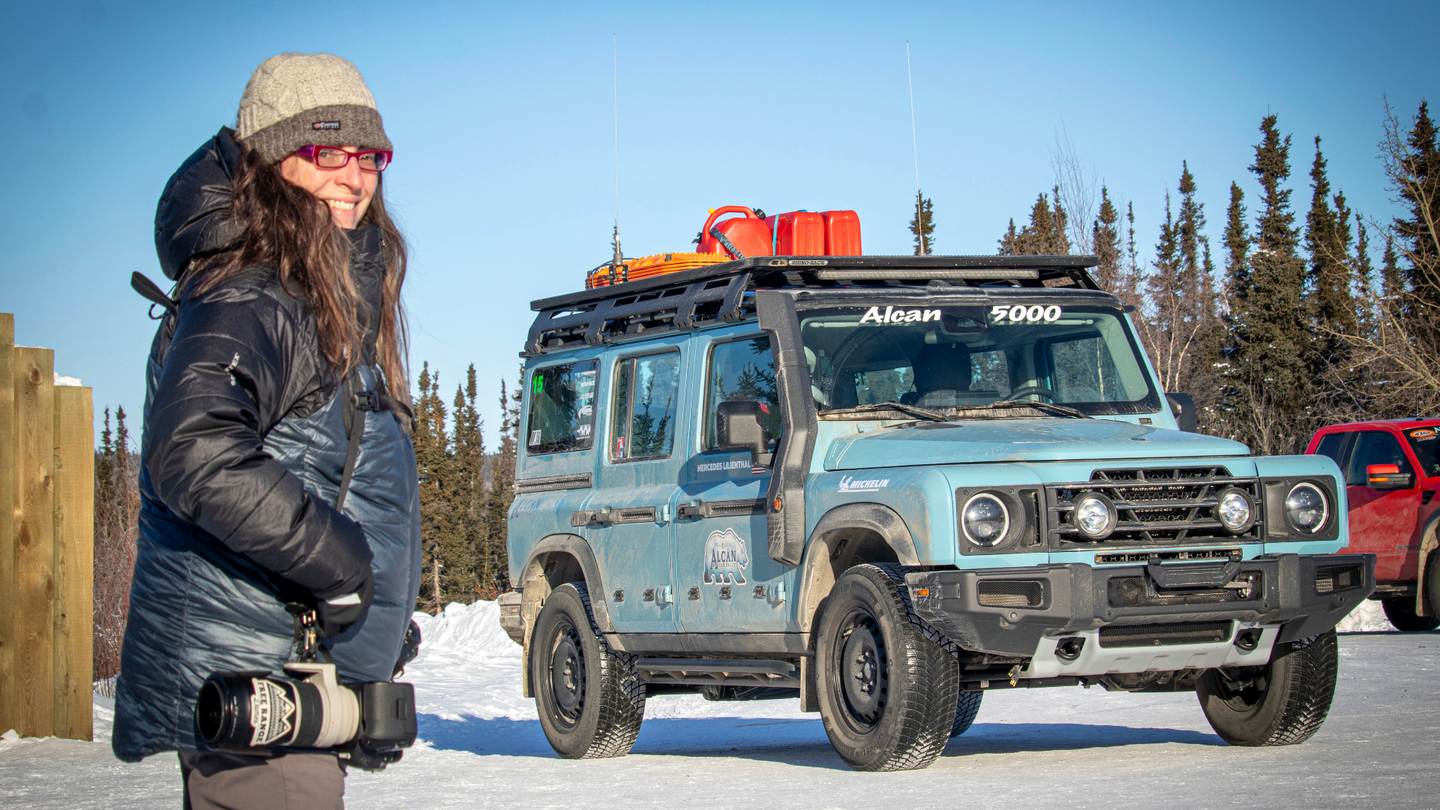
x=1387, y=476
x=737, y=427
x=1183, y=406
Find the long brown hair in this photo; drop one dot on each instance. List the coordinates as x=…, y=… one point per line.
x=282, y=225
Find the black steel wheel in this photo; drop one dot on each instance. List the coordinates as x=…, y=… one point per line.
x=1281, y=703
x=887, y=693
x=965, y=710
x=590, y=703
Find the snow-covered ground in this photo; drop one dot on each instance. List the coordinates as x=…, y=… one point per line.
x=481, y=746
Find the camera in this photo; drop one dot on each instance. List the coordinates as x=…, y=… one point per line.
x=253, y=712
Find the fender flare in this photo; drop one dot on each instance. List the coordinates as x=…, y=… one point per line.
x=1429, y=540
x=536, y=585
x=816, y=573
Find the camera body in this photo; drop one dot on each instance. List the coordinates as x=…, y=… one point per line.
x=253, y=712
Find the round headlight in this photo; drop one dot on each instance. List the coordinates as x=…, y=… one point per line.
x=985, y=520
x=1234, y=511
x=1306, y=507
x=1095, y=516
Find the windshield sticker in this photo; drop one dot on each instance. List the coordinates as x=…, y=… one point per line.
x=1024, y=314
x=849, y=484
x=725, y=558
x=534, y=437
x=893, y=315
x=1422, y=434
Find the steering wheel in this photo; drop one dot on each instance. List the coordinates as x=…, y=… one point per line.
x=1031, y=389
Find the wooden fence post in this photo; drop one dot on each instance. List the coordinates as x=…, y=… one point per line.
x=35, y=538
x=74, y=611
x=9, y=683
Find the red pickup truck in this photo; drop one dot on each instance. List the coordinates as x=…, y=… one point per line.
x=1392, y=471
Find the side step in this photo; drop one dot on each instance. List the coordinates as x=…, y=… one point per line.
x=709, y=672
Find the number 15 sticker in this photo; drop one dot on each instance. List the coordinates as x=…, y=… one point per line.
x=1024, y=314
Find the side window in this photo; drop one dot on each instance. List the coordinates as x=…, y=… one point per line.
x=562, y=408
x=642, y=416
x=1331, y=444
x=742, y=370
x=1374, y=447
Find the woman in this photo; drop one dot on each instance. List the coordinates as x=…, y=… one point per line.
x=276, y=466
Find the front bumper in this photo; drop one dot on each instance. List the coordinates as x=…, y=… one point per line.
x=1008, y=611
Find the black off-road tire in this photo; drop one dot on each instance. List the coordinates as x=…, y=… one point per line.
x=590, y=702
x=965, y=710
x=887, y=692
x=1281, y=703
x=1401, y=613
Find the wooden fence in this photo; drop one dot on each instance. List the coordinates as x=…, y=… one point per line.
x=47, y=470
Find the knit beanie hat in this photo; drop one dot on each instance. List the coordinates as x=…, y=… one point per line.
x=298, y=99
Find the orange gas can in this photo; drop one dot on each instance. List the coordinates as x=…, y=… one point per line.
x=798, y=233
x=842, y=233
x=747, y=235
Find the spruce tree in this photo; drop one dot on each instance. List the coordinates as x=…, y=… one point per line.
x=1415, y=174
x=1332, y=306
x=1168, y=335
x=922, y=225
x=438, y=514
x=1105, y=237
x=1044, y=236
x=502, y=484
x=468, y=445
x=1276, y=337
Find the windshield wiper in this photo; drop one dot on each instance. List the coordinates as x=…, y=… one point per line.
x=1047, y=407
x=910, y=410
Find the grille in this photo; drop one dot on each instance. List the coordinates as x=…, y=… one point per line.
x=1164, y=635
x=1010, y=593
x=1157, y=506
x=1129, y=592
x=1339, y=578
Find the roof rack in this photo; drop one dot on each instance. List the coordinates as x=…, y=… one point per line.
x=716, y=293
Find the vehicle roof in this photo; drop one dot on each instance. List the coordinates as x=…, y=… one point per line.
x=702, y=296
x=1384, y=424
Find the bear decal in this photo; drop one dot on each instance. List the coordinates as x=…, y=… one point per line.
x=725, y=558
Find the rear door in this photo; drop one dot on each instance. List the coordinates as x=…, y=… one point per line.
x=628, y=519
x=1381, y=521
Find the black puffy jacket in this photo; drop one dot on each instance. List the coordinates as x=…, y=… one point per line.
x=242, y=456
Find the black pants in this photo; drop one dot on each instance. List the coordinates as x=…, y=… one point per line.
x=284, y=782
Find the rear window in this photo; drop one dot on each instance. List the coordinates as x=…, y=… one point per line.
x=562, y=408
x=1425, y=442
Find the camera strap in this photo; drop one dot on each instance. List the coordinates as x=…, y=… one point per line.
x=357, y=404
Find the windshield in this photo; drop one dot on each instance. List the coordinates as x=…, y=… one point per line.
x=948, y=358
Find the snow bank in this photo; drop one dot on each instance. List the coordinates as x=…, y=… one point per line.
x=1369, y=617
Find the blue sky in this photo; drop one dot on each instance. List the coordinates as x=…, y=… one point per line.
x=502, y=121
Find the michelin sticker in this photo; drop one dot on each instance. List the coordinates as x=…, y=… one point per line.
x=725, y=558
x=850, y=484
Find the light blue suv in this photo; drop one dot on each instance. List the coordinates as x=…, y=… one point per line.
x=886, y=485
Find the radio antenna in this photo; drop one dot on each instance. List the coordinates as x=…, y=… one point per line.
x=615, y=57
x=915, y=145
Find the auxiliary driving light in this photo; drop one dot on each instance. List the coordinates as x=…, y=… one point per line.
x=1235, y=511
x=1095, y=516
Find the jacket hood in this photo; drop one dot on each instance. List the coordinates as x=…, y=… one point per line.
x=193, y=217
x=1022, y=440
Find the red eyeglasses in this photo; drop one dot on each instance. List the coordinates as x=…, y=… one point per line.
x=333, y=157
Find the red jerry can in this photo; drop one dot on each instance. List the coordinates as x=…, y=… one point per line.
x=842, y=233
x=747, y=235
x=798, y=233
